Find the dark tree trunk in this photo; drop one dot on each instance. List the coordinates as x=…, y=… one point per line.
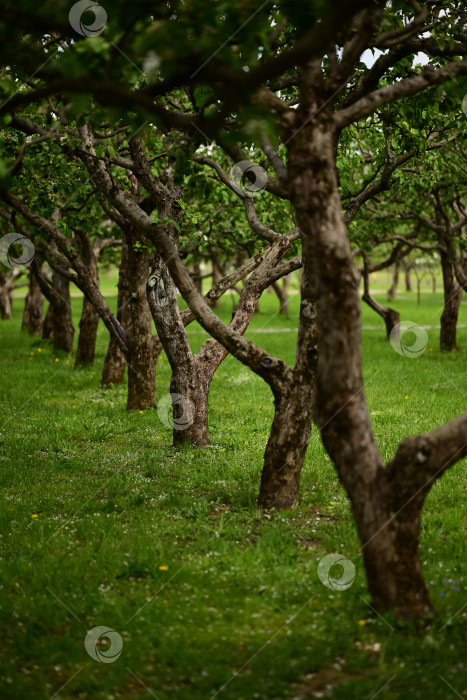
x=452, y=299
x=33, y=316
x=63, y=329
x=408, y=281
x=391, y=317
x=89, y=321
x=392, y=291
x=141, y=357
x=48, y=325
x=88, y=326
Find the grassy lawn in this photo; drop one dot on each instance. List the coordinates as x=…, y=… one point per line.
x=104, y=524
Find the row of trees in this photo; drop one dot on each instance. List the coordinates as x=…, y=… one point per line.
x=336, y=162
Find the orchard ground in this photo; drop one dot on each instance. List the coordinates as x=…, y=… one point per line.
x=104, y=524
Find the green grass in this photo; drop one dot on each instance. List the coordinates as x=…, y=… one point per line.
x=240, y=608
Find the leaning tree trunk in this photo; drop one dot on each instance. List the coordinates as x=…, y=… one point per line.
x=452, y=299
x=33, y=316
x=389, y=538
x=141, y=358
x=391, y=317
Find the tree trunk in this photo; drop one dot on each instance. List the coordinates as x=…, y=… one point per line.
x=189, y=389
x=141, y=357
x=392, y=291
x=452, y=299
x=286, y=447
x=408, y=281
x=33, y=316
x=392, y=563
x=5, y=304
x=48, y=325
x=88, y=326
x=63, y=329
x=391, y=317
x=89, y=321
x=293, y=409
